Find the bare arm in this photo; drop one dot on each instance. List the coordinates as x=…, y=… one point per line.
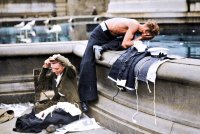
x=125, y=27
x=144, y=37
x=127, y=41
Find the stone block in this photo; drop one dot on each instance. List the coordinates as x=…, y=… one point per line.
x=138, y=6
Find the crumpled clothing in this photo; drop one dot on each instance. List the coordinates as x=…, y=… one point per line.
x=66, y=106
x=29, y=123
x=139, y=46
x=132, y=66
x=122, y=71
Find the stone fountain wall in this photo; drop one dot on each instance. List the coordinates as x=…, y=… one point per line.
x=146, y=6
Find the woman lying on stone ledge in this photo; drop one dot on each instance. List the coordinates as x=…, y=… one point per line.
x=63, y=108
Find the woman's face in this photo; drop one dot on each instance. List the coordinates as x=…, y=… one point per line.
x=57, y=68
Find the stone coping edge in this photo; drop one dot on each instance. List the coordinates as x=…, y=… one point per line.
x=171, y=70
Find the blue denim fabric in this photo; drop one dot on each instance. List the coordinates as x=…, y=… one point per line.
x=120, y=64
x=131, y=76
x=142, y=75
x=123, y=68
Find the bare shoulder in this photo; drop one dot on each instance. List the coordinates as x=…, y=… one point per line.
x=120, y=20
x=127, y=22
x=120, y=26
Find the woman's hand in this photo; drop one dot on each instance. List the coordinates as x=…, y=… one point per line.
x=46, y=63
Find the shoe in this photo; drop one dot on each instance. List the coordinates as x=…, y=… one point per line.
x=98, y=52
x=84, y=106
x=51, y=128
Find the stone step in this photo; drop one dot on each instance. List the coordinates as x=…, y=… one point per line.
x=97, y=131
x=118, y=118
x=17, y=89
x=16, y=78
x=17, y=97
x=175, y=100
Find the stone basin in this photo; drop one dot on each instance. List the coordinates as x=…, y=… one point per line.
x=177, y=89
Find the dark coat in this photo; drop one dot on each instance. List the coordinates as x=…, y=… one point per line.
x=67, y=85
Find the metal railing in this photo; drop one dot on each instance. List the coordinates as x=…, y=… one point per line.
x=46, y=29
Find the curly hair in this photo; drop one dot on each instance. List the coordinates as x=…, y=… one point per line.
x=153, y=27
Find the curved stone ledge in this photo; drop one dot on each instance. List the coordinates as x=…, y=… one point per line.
x=37, y=48
x=177, y=84
x=183, y=71
x=171, y=70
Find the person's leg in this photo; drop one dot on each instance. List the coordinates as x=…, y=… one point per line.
x=87, y=73
x=114, y=44
x=87, y=77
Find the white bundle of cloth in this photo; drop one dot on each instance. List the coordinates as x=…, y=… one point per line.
x=73, y=109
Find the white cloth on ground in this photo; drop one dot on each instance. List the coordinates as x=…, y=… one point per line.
x=73, y=109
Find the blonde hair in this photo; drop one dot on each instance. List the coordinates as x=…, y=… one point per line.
x=153, y=27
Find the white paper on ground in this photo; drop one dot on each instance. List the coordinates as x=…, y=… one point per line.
x=18, y=109
x=79, y=125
